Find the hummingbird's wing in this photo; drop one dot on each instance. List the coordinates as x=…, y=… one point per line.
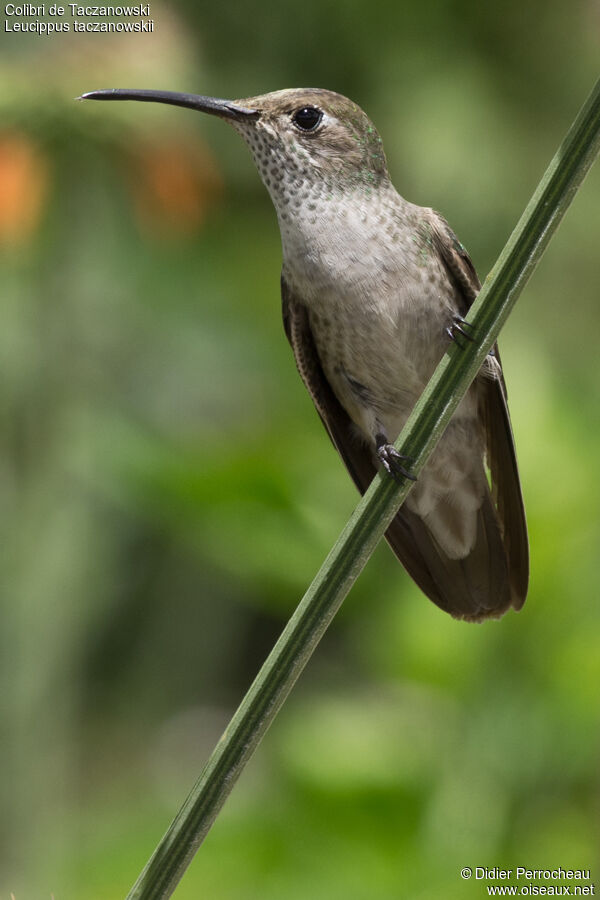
x=506, y=492
x=333, y=415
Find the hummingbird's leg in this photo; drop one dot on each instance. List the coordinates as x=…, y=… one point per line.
x=459, y=327
x=390, y=459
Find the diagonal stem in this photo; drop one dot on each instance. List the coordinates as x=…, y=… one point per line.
x=376, y=509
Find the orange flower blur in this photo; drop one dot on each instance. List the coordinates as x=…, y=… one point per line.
x=23, y=188
x=176, y=181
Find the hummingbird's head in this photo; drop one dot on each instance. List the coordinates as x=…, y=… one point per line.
x=315, y=135
x=298, y=136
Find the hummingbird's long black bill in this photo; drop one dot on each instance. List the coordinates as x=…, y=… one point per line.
x=225, y=109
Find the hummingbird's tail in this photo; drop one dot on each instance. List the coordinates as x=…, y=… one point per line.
x=474, y=587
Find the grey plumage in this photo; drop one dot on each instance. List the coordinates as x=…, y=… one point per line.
x=371, y=284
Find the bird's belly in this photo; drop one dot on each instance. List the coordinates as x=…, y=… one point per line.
x=378, y=359
x=377, y=354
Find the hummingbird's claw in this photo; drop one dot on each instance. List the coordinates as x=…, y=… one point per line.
x=459, y=327
x=392, y=461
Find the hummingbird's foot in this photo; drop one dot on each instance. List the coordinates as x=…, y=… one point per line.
x=392, y=461
x=459, y=331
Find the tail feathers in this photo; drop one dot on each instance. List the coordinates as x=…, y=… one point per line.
x=475, y=587
x=506, y=487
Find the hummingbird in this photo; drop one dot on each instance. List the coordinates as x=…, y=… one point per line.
x=373, y=289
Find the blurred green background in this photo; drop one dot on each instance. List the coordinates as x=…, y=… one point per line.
x=168, y=492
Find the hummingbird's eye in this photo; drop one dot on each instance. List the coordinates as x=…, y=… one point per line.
x=307, y=118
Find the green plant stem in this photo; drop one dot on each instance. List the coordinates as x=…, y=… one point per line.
x=375, y=510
